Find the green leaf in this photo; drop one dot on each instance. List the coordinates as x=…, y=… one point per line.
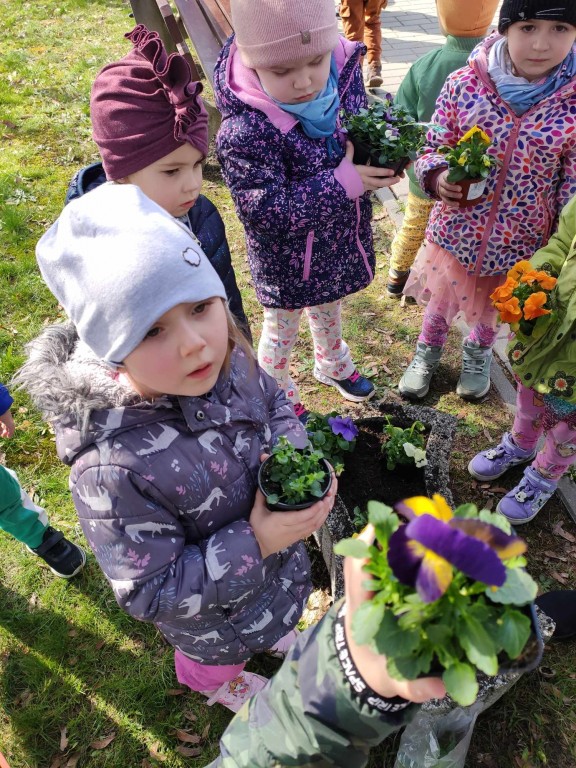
x=393, y=641
x=352, y=548
x=409, y=667
x=461, y=684
x=513, y=632
x=466, y=510
x=518, y=589
x=478, y=645
x=366, y=621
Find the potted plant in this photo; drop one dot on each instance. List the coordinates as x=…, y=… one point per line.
x=469, y=165
x=384, y=135
x=526, y=300
x=450, y=594
x=333, y=435
x=293, y=478
x=404, y=446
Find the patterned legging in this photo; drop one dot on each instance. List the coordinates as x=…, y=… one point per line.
x=410, y=236
x=279, y=334
x=559, y=449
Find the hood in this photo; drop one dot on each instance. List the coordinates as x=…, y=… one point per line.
x=79, y=394
x=84, y=180
x=237, y=85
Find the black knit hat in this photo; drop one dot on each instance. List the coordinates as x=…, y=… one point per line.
x=522, y=10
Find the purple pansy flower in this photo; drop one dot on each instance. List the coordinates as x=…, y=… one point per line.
x=424, y=552
x=343, y=425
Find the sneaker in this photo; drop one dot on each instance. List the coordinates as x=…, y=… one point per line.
x=301, y=412
x=416, y=380
x=474, y=380
x=233, y=694
x=373, y=78
x=396, y=282
x=355, y=388
x=522, y=504
x=492, y=463
x=281, y=648
x=64, y=558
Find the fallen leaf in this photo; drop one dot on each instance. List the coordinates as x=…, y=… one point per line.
x=487, y=435
x=189, y=751
x=488, y=504
x=24, y=698
x=100, y=644
x=561, y=532
x=206, y=731
x=57, y=762
x=103, y=743
x=554, y=556
x=63, y=738
x=190, y=716
x=156, y=753
x=72, y=761
x=189, y=738
x=498, y=489
x=559, y=577
x=175, y=691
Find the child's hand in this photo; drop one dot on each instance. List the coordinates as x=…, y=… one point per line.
x=370, y=664
x=447, y=192
x=7, y=425
x=275, y=531
x=372, y=177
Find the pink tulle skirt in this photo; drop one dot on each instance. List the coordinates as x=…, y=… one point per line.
x=438, y=281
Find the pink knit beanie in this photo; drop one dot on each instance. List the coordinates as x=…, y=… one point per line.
x=272, y=32
x=145, y=106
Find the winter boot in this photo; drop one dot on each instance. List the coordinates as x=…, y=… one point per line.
x=474, y=380
x=523, y=503
x=416, y=380
x=492, y=463
x=373, y=77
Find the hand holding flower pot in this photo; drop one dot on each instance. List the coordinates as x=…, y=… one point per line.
x=449, y=590
x=469, y=165
x=384, y=135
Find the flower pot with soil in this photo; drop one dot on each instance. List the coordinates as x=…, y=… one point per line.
x=293, y=478
x=450, y=589
x=384, y=135
x=469, y=165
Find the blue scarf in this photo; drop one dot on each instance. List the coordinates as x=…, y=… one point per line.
x=521, y=94
x=318, y=117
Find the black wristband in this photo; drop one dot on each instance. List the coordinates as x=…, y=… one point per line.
x=360, y=688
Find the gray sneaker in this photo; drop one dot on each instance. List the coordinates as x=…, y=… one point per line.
x=474, y=380
x=416, y=380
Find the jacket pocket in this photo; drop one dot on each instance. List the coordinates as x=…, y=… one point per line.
x=308, y=255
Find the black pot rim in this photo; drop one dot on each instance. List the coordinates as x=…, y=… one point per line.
x=282, y=506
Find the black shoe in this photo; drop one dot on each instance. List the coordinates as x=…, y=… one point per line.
x=560, y=605
x=396, y=282
x=64, y=558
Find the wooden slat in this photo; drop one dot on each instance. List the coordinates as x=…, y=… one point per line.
x=207, y=25
x=176, y=35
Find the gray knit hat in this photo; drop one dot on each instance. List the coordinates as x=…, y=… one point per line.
x=548, y=10
x=117, y=262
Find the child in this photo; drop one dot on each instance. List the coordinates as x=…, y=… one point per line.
x=302, y=202
x=28, y=522
x=546, y=398
x=361, y=21
x=464, y=25
x=520, y=88
x=162, y=415
x=151, y=128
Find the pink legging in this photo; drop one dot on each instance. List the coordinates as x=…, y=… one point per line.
x=280, y=331
x=559, y=449
x=204, y=677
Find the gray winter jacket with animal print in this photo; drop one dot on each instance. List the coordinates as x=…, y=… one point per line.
x=164, y=491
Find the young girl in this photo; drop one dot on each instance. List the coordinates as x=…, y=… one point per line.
x=520, y=89
x=151, y=129
x=546, y=399
x=280, y=83
x=163, y=416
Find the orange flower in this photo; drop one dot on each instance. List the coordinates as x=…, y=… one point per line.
x=519, y=269
x=533, y=306
x=504, y=292
x=510, y=311
x=545, y=281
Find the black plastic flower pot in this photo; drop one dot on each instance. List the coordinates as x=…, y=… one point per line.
x=364, y=154
x=268, y=487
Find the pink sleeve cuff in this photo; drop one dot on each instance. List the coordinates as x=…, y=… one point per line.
x=347, y=175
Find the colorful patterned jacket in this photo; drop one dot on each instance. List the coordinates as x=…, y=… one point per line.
x=304, y=211
x=535, y=178
x=164, y=491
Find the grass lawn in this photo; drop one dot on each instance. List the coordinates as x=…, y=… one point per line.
x=82, y=684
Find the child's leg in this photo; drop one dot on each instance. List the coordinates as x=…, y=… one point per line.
x=279, y=334
x=558, y=452
x=474, y=380
x=373, y=31
x=332, y=361
x=527, y=426
x=415, y=382
x=407, y=242
x=19, y=516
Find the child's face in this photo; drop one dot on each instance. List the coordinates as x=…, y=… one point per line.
x=537, y=46
x=296, y=81
x=174, y=181
x=183, y=353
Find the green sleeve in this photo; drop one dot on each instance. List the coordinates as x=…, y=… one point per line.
x=558, y=247
x=306, y=715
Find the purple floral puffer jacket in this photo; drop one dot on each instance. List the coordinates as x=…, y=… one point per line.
x=164, y=491
x=535, y=177
x=304, y=211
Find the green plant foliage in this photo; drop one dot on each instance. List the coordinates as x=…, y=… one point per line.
x=469, y=159
x=294, y=475
x=404, y=446
x=332, y=435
